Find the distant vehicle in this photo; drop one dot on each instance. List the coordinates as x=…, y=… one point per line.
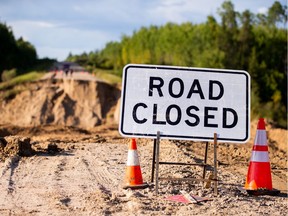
x=67, y=67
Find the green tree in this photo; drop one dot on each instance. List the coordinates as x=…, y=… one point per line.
x=111, y=56
x=18, y=54
x=245, y=41
x=245, y=38
x=26, y=54
x=8, y=48
x=228, y=35
x=277, y=14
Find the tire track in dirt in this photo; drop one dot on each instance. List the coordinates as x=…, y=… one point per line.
x=7, y=182
x=104, y=164
x=23, y=185
x=101, y=176
x=79, y=179
x=87, y=180
x=8, y=171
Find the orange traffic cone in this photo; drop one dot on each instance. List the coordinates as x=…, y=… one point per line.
x=259, y=180
x=133, y=172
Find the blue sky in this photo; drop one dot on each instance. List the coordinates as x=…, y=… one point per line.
x=58, y=27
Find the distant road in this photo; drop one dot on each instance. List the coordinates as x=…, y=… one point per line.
x=74, y=75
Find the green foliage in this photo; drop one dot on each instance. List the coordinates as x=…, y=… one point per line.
x=28, y=77
x=12, y=87
x=8, y=48
x=277, y=14
x=26, y=54
x=107, y=76
x=8, y=75
x=246, y=41
x=43, y=64
x=14, y=53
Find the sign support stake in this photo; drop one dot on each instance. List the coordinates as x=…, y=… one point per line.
x=157, y=160
x=215, y=164
x=156, y=163
x=153, y=159
x=205, y=160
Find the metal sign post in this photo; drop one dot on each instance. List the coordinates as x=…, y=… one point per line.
x=157, y=162
x=215, y=164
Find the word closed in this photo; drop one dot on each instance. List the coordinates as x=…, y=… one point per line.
x=185, y=103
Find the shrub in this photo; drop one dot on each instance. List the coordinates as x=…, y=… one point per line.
x=8, y=75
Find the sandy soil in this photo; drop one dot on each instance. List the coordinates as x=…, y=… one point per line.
x=66, y=102
x=72, y=171
x=66, y=157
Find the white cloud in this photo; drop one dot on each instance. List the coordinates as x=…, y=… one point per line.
x=47, y=37
x=262, y=10
x=76, y=26
x=53, y=52
x=29, y=28
x=34, y=23
x=185, y=10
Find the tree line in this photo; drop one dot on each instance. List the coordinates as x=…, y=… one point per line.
x=256, y=43
x=17, y=56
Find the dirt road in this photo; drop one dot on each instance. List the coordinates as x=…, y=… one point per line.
x=74, y=159
x=76, y=76
x=84, y=171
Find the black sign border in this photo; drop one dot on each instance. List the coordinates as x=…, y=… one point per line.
x=210, y=70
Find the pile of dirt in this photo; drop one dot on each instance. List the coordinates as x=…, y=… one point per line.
x=65, y=102
x=15, y=146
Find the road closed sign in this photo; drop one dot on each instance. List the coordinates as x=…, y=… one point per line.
x=185, y=103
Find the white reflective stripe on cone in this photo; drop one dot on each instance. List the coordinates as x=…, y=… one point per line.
x=261, y=137
x=260, y=156
x=133, y=159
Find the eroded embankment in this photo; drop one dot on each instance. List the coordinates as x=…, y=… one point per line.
x=65, y=102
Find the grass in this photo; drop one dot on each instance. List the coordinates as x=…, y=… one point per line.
x=21, y=79
x=8, y=87
x=107, y=76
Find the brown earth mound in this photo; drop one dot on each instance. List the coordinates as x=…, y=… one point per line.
x=65, y=102
x=15, y=146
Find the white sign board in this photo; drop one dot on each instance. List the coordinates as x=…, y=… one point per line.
x=185, y=103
